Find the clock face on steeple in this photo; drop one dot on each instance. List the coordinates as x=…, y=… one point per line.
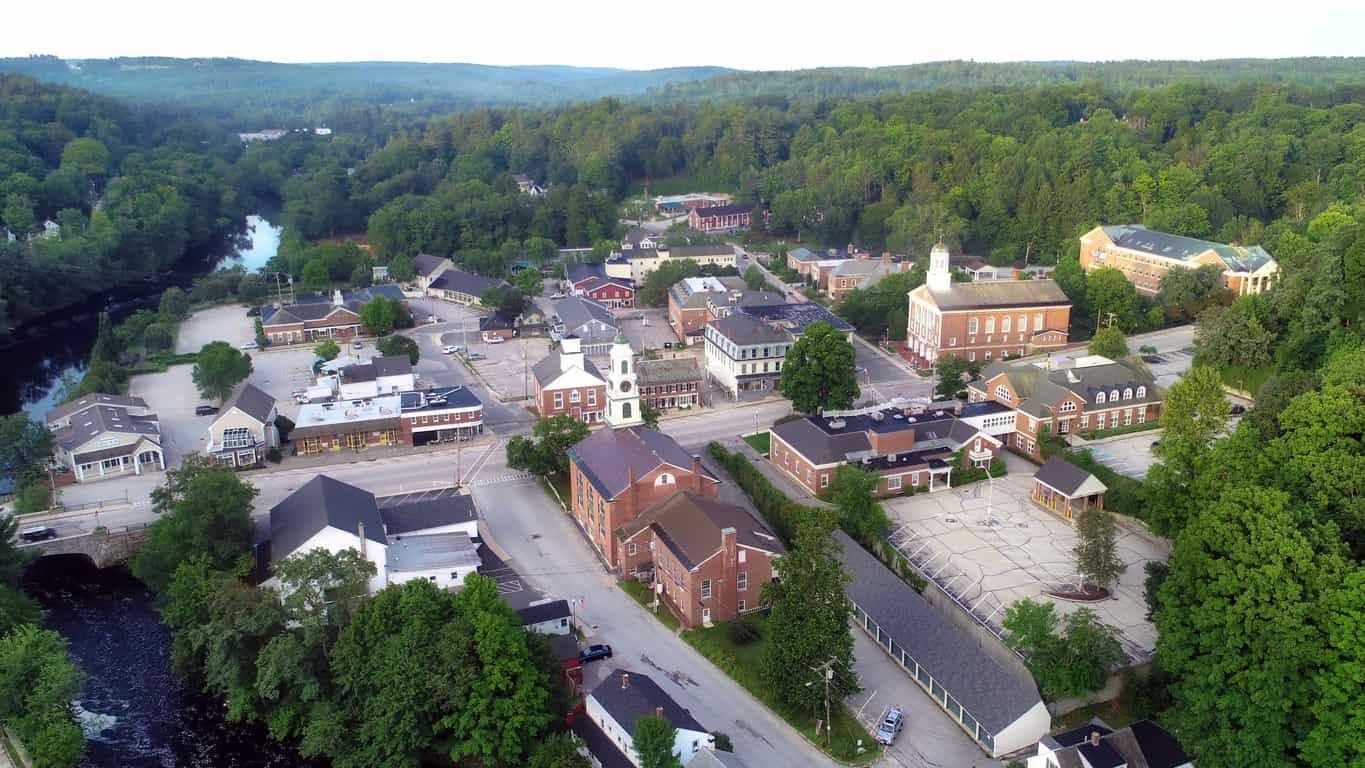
x=625, y=386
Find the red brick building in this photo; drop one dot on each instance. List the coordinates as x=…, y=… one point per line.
x=689, y=302
x=908, y=450
x=670, y=383
x=983, y=320
x=709, y=560
x=1064, y=395
x=614, y=474
x=306, y=323
x=721, y=218
x=442, y=415
x=614, y=292
x=567, y=382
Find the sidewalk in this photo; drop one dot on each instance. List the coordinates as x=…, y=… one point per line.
x=330, y=458
x=775, y=476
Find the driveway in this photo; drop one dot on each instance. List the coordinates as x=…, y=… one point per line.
x=548, y=551
x=173, y=397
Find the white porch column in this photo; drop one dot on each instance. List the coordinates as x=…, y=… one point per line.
x=137, y=463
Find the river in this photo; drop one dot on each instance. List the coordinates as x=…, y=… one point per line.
x=35, y=366
x=135, y=712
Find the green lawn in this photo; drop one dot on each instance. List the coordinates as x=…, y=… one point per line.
x=561, y=486
x=743, y=662
x=759, y=442
x=641, y=594
x=1248, y=380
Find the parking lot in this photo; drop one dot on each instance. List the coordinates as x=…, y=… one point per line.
x=989, y=547
x=173, y=397
x=1167, y=367
x=505, y=367
x=1129, y=455
x=228, y=323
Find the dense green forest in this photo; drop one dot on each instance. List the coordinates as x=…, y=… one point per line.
x=130, y=192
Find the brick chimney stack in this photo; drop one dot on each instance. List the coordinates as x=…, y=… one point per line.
x=696, y=472
x=886, y=257
x=1094, y=738
x=659, y=712
x=632, y=496
x=625, y=680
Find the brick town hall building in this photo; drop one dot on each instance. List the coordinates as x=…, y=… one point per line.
x=983, y=320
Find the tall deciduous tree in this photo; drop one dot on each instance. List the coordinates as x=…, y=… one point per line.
x=1194, y=413
x=377, y=315
x=1109, y=342
x=545, y=452
x=174, y=303
x=25, y=447
x=327, y=350
x=854, y=493
x=1096, y=550
x=820, y=370
x=1108, y=291
x=399, y=346
x=808, y=623
x=218, y=369
x=38, y=682
x=953, y=372
x=205, y=510
x=653, y=739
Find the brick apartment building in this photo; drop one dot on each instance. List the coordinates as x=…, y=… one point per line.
x=710, y=559
x=670, y=383
x=567, y=382
x=983, y=320
x=908, y=450
x=1145, y=255
x=721, y=218
x=441, y=415
x=615, y=474
x=1064, y=395
x=306, y=323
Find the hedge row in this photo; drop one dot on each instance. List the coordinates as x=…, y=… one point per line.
x=784, y=515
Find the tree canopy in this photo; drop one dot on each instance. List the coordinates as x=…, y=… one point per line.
x=545, y=452
x=820, y=370
x=218, y=369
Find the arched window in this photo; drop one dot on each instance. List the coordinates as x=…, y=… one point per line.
x=664, y=478
x=625, y=411
x=625, y=366
x=1142, y=392
x=1099, y=398
x=1114, y=396
x=1127, y=393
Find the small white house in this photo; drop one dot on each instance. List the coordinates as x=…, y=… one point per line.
x=380, y=376
x=624, y=697
x=444, y=559
x=548, y=617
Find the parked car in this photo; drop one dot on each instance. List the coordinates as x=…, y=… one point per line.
x=476, y=356
x=891, y=726
x=668, y=345
x=43, y=532
x=357, y=345
x=205, y=410
x=594, y=653
x=1155, y=444
x=495, y=340
x=557, y=295
x=249, y=345
x=451, y=349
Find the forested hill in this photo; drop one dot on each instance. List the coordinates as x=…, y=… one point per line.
x=1116, y=76
x=291, y=95
x=130, y=192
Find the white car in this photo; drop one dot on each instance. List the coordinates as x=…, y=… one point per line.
x=451, y=349
x=890, y=726
x=494, y=340
x=249, y=345
x=557, y=295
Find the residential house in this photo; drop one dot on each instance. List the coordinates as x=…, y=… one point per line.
x=379, y=272
x=906, y=449
x=578, y=274
x=668, y=383
x=528, y=186
x=352, y=425
x=591, y=323
x=244, y=431
x=641, y=238
x=744, y=354
x=1143, y=744
x=1066, y=489
x=708, y=559
x=677, y=204
x=861, y=273
x=1145, y=255
x=1061, y=395
x=615, y=474
x=722, y=218
x=440, y=415
x=623, y=698
x=548, y=617
x=427, y=268
x=382, y=375
x=431, y=542
x=983, y=321
x=462, y=287
x=566, y=382
x=497, y=326
x=637, y=264
x=305, y=323
x=614, y=292
x=991, y=696
x=534, y=321
x=689, y=300
x=100, y=436
x=800, y=260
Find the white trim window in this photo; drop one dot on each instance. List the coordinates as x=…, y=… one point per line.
x=742, y=555
x=1142, y=415
x=824, y=479
x=1099, y=398
x=575, y=396
x=741, y=581
x=238, y=437
x=1005, y=324
x=971, y=326
x=893, y=483
x=1002, y=392
x=559, y=403
x=1127, y=393
x=1068, y=407
x=630, y=549
x=705, y=589
x=1128, y=417
x=1141, y=392
x=1114, y=396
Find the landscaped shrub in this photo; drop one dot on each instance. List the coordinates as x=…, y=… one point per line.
x=284, y=426
x=274, y=456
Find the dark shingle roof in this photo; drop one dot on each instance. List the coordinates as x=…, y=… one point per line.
x=465, y=282
x=744, y=330
x=424, y=263
x=549, y=368
x=691, y=525
x=496, y=322
x=576, y=311
x=392, y=365
x=992, y=693
x=796, y=317
x=605, y=752
x=402, y=516
x=1076, y=735
x=804, y=254
x=438, y=398
x=1158, y=746
x=554, y=609
x=298, y=313
x=668, y=371
x=607, y=456
x=640, y=698
x=1101, y=755
x=80, y=404
x=1001, y=294
x=254, y=402
x=817, y=445
x=321, y=503
x=724, y=210
x=1138, y=238
x=96, y=420
x=577, y=271
x=1062, y=475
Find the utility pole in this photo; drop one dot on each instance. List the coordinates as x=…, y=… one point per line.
x=826, y=673
x=459, y=448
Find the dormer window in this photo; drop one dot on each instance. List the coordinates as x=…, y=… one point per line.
x=1127, y=393
x=1099, y=398
x=1114, y=396
x=1141, y=392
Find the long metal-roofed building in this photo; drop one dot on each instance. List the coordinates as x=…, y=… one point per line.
x=995, y=702
x=1144, y=256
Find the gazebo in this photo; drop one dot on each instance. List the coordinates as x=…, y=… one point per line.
x=1066, y=489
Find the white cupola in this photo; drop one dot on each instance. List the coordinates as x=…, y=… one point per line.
x=940, y=277
x=623, y=397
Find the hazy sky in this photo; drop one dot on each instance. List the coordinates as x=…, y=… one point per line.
x=642, y=35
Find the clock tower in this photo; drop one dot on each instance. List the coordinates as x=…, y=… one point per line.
x=623, y=398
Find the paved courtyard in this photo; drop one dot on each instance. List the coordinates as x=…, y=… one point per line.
x=990, y=548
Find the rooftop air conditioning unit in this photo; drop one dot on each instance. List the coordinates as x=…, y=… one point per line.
x=836, y=423
x=878, y=416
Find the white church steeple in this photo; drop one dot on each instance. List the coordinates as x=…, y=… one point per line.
x=940, y=277
x=623, y=397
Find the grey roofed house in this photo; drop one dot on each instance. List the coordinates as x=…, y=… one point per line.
x=298, y=313
x=1067, y=478
x=1001, y=294
x=1142, y=744
x=804, y=254
x=605, y=752
x=392, y=365
x=576, y=271
x=544, y=611
x=796, y=317
x=690, y=525
x=430, y=551
x=744, y=330
x=61, y=412
x=760, y=299
x=992, y=693
x=254, y=402
x=639, y=696
x=96, y=420
x=667, y=370
x=424, y=264
x=468, y=283
x=401, y=516
x=1139, y=238
x=607, y=456
x=550, y=366
x=590, y=321
x=322, y=503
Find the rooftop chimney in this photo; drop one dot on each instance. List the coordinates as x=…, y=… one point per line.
x=1094, y=738
x=659, y=712
x=886, y=257
x=360, y=531
x=696, y=472
x=625, y=680
x=337, y=299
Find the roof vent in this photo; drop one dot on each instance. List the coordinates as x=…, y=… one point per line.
x=898, y=416
x=878, y=416
x=836, y=423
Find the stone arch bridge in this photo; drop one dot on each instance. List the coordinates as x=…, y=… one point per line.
x=105, y=547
